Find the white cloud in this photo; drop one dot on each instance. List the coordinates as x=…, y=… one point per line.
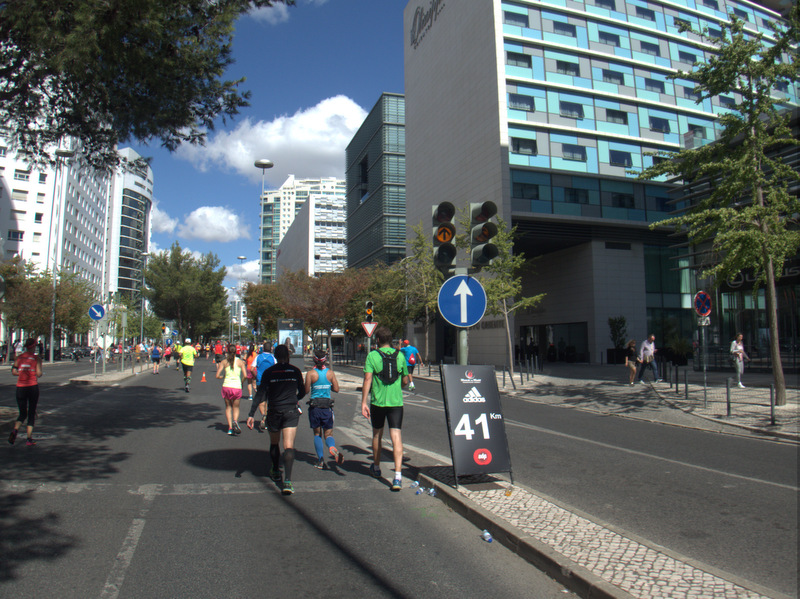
x=160, y=221
x=245, y=272
x=213, y=223
x=279, y=13
x=309, y=143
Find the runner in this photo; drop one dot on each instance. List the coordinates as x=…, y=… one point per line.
x=264, y=360
x=27, y=368
x=282, y=387
x=218, y=350
x=413, y=358
x=155, y=356
x=250, y=360
x=385, y=373
x=187, y=353
x=231, y=370
x=320, y=381
x=167, y=356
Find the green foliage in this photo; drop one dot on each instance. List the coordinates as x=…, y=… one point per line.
x=618, y=330
x=189, y=291
x=106, y=72
x=264, y=306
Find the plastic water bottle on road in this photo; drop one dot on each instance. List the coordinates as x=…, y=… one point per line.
x=487, y=536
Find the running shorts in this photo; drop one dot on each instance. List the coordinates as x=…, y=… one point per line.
x=320, y=417
x=277, y=420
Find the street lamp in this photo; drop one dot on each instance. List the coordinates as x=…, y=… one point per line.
x=145, y=255
x=263, y=164
x=62, y=154
x=233, y=307
x=241, y=260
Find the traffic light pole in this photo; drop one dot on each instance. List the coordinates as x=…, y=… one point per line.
x=463, y=345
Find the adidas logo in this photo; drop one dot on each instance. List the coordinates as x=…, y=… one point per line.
x=473, y=396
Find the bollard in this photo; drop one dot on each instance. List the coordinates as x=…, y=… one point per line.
x=728, y=394
x=772, y=404
x=677, y=381
x=504, y=376
x=521, y=379
x=686, y=384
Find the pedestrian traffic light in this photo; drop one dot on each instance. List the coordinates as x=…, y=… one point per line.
x=481, y=231
x=444, y=234
x=368, y=305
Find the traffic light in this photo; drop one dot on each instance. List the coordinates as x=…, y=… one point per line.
x=368, y=305
x=444, y=234
x=163, y=328
x=481, y=231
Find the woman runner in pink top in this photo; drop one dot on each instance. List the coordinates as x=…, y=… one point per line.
x=27, y=368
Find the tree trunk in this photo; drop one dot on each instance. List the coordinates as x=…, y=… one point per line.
x=508, y=337
x=774, y=345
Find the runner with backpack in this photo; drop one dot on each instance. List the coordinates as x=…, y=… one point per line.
x=413, y=358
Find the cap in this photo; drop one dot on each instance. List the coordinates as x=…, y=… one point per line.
x=187, y=340
x=405, y=342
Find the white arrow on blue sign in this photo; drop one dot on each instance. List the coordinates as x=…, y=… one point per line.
x=462, y=301
x=96, y=312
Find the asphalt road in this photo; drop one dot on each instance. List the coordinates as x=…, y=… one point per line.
x=724, y=500
x=136, y=491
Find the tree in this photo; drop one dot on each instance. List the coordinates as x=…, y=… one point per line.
x=264, y=307
x=748, y=220
x=188, y=290
x=503, y=286
x=105, y=72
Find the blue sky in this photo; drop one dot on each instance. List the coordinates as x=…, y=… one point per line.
x=314, y=70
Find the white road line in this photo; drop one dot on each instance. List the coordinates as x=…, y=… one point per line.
x=123, y=561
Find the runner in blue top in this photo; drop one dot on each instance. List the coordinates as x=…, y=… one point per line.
x=320, y=381
x=413, y=358
x=263, y=361
x=155, y=356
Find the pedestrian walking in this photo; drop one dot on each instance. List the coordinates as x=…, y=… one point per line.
x=231, y=370
x=320, y=381
x=282, y=387
x=738, y=356
x=155, y=356
x=385, y=373
x=647, y=358
x=631, y=360
x=413, y=359
x=27, y=368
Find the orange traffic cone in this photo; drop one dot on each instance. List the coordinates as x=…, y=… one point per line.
x=203, y=380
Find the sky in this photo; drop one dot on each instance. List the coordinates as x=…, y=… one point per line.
x=315, y=70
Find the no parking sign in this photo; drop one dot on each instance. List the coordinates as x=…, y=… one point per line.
x=475, y=420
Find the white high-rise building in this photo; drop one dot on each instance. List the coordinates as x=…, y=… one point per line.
x=278, y=210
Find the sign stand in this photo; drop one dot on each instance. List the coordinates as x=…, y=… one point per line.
x=478, y=442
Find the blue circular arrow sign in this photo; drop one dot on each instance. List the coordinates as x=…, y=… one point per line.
x=97, y=311
x=462, y=301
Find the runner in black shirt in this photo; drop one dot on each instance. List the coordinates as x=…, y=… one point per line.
x=282, y=387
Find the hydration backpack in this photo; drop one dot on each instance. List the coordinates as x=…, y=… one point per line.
x=390, y=371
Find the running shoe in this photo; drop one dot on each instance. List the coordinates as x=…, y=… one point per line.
x=397, y=484
x=288, y=489
x=337, y=455
x=13, y=436
x=275, y=475
x=30, y=442
x=186, y=388
x=230, y=432
x=236, y=428
x=320, y=464
x=375, y=471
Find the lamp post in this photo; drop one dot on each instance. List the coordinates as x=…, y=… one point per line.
x=241, y=260
x=62, y=154
x=145, y=255
x=233, y=307
x=263, y=164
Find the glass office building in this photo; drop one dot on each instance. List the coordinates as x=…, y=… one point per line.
x=549, y=108
x=376, y=191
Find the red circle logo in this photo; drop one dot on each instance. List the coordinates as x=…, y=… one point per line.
x=482, y=457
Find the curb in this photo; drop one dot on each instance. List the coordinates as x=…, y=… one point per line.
x=574, y=577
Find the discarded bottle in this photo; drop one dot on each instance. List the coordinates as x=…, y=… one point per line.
x=508, y=492
x=415, y=484
x=419, y=491
x=487, y=536
x=432, y=492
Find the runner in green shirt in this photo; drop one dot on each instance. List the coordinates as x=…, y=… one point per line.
x=385, y=373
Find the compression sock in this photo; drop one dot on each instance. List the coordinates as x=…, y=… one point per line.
x=330, y=442
x=275, y=454
x=288, y=462
x=318, y=445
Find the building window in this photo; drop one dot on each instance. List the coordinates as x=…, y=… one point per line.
x=678, y=22
x=617, y=116
x=612, y=39
x=698, y=131
x=563, y=29
x=727, y=102
x=645, y=13
x=712, y=32
x=613, y=77
x=576, y=196
x=782, y=86
x=651, y=49
x=525, y=191
x=652, y=85
x=711, y=4
x=622, y=200
x=687, y=57
x=14, y=235
x=607, y=4
x=37, y=218
x=564, y=67
x=520, y=145
x=515, y=59
x=659, y=124
x=20, y=175
x=571, y=110
x=619, y=158
x=689, y=93
x=515, y=18
x=521, y=102
x=742, y=14
x=573, y=152
x=3, y=151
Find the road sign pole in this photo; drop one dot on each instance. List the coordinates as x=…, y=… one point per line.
x=463, y=343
